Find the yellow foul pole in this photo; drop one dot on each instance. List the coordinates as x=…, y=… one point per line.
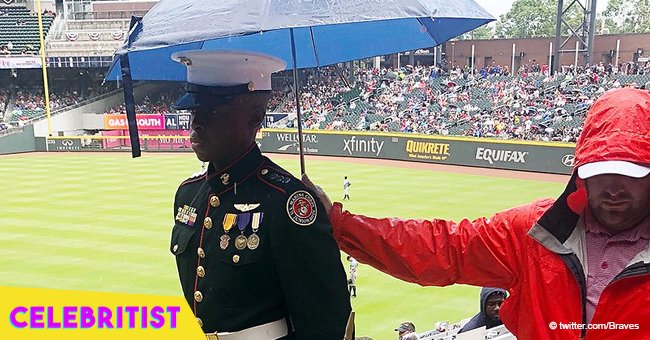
x=44, y=67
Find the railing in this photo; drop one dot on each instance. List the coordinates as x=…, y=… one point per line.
x=55, y=29
x=83, y=49
x=99, y=24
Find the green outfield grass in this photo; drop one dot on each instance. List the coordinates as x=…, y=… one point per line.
x=101, y=222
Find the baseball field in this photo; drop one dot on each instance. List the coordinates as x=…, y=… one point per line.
x=101, y=222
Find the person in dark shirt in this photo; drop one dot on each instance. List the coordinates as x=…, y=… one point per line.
x=491, y=300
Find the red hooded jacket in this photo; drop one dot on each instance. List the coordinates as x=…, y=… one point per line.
x=536, y=251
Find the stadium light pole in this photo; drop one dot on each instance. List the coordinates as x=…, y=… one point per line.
x=453, y=50
x=44, y=68
x=618, y=51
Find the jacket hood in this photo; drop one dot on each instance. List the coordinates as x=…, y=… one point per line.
x=617, y=128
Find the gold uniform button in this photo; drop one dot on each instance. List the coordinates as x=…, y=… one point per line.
x=199, y=321
x=225, y=179
x=207, y=223
x=264, y=171
x=214, y=201
x=235, y=258
x=198, y=297
x=175, y=248
x=200, y=271
x=200, y=252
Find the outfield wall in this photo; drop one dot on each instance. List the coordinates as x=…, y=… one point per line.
x=22, y=141
x=554, y=158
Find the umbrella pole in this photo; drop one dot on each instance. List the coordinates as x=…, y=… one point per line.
x=298, y=113
x=129, y=103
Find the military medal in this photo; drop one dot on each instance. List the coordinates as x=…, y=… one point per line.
x=242, y=221
x=225, y=179
x=240, y=242
x=224, y=241
x=254, y=240
x=228, y=221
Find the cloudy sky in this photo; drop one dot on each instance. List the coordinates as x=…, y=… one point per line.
x=498, y=7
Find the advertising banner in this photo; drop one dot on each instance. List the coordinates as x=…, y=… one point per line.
x=112, y=143
x=273, y=117
x=164, y=140
x=177, y=122
x=20, y=62
x=184, y=122
x=71, y=144
x=144, y=122
x=535, y=157
x=171, y=122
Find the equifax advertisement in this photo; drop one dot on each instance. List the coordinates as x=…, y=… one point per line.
x=36, y=313
x=145, y=122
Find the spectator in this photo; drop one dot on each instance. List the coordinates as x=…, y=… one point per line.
x=405, y=329
x=488, y=316
x=352, y=277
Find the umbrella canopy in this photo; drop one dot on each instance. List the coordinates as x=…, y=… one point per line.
x=302, y=33
x=325, y=31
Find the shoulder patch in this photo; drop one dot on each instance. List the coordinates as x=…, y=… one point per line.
x=301, y=208
x=274, y=176
x=195, y=177
x=199, y=173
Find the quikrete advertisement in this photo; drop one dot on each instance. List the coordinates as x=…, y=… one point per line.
x=421, y=150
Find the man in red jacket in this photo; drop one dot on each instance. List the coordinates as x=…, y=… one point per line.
x=575, y=267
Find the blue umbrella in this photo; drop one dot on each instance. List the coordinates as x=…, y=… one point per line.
x=304, y=33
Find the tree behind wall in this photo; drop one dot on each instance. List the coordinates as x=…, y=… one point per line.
x=534, y=18
x=627, y=16
x=485, y=32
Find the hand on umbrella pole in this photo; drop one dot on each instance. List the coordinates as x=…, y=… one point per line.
x=319, y=192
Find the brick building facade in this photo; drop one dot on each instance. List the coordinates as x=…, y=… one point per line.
x=633, y=48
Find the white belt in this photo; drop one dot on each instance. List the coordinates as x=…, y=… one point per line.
x=268, y=331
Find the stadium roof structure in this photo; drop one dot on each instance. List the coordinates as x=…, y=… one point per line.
x=304, y=34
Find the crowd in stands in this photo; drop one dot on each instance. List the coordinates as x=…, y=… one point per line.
x=25, y=50
x=490, y=102
x=530, y=105
x=19, y=30
x=29, y=103
x=159, y=103
x=4, y=97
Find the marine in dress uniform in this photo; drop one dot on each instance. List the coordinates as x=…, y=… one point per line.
x=253, y=246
